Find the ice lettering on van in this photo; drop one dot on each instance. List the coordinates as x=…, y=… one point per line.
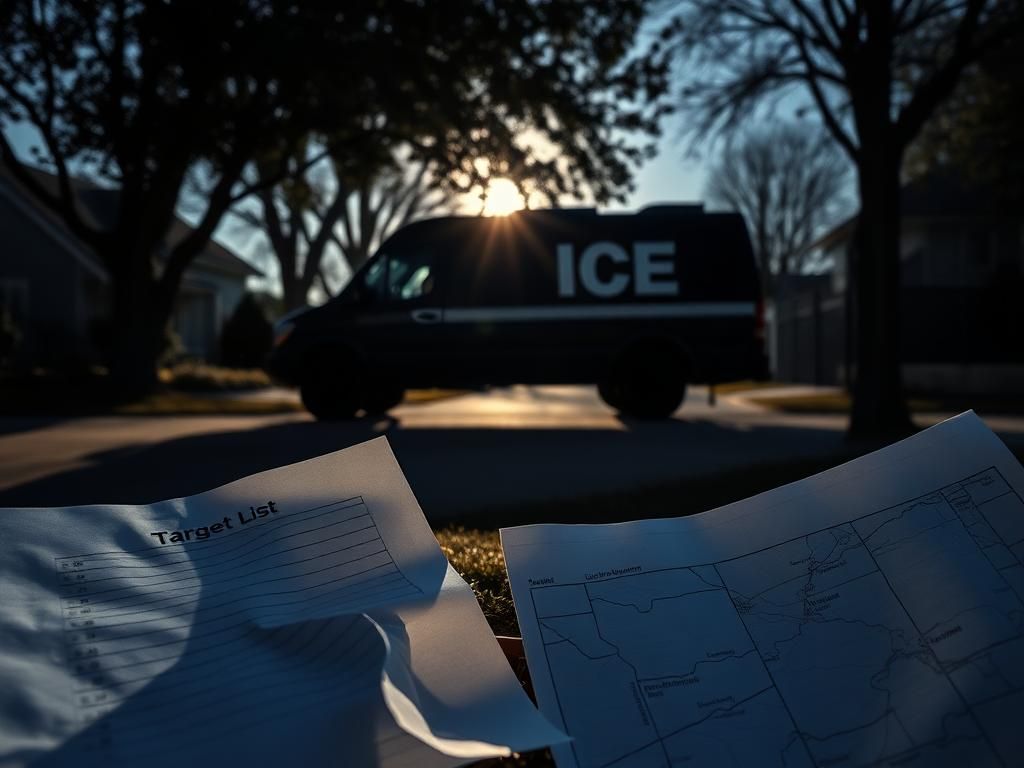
x=566, y=270
x=592, y=282
x=653, y=269
x=653, y=266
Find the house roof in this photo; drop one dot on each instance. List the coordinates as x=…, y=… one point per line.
x=98, y=207
x=50, y=223
x=834, y=236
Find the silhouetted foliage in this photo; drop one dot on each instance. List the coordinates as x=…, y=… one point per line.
x=978, y=131
x=247, y=336
x=873, y=71
x=142, y=94
x=787, y=180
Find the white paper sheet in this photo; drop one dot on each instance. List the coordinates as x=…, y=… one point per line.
x=869, y=615
x=302, y=616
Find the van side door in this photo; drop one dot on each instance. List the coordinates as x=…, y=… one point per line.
x=400, y=321
x=497, y=295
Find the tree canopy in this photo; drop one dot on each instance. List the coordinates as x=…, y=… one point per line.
x=977, y=132
x=788, y=181
x=135, y=94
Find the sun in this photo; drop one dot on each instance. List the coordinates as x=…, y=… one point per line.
x=502, y=198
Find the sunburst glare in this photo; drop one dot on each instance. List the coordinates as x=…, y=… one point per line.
x=502, y=198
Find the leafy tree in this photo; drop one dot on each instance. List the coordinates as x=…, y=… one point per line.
x=787, y=180
x=138, y=94
x=873, y=71
x=303, y=217
x=977, y=131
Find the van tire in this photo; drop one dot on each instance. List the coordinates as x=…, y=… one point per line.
x=648, y=382
x=609, y=393
x=381, y=398
x=658, y=400
x=328, y=389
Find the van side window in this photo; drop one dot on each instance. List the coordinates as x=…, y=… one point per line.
x=411, y=276
x=374, y=279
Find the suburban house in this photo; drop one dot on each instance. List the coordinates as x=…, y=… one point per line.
x=962, y=302
x=56, y=290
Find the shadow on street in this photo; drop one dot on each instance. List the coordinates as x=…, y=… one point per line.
x=453, y=471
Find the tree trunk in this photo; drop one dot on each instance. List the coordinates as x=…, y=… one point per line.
x=139, y=330
x=295, y=288
x=879, y=407
x=292, y=295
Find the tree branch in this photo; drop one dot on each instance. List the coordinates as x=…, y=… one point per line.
x=63, y=204
x=186, y=250
x=270, y=181
x=830, y=119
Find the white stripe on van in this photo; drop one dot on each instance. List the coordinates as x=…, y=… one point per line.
x=598, y=312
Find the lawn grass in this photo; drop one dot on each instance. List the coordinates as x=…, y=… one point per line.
x=203, y=377
x=174, y=403
x=830, y=402
x=171, y=403
x=420, y=396
x=839, y=402
x=747, y=385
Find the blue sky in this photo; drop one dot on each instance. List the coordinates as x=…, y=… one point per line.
x=670, y=177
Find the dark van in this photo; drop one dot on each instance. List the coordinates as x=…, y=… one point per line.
x=638, y=303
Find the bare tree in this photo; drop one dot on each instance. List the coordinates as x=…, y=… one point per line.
x=325, y=207
x=873, y=71
x=788, y=181
x=383, y=205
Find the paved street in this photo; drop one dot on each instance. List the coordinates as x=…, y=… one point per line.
x=462, y=455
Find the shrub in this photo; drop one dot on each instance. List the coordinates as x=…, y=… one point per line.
x=247, y=336
x=199, y=377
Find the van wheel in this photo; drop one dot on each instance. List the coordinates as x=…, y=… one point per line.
x=609, y=393
x=328, y=389
x=381, y=398
x=646, y=384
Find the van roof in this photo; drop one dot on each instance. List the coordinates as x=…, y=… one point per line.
x=441, y=225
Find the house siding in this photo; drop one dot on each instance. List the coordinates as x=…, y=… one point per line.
x=54, y=324
x=59, y=292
